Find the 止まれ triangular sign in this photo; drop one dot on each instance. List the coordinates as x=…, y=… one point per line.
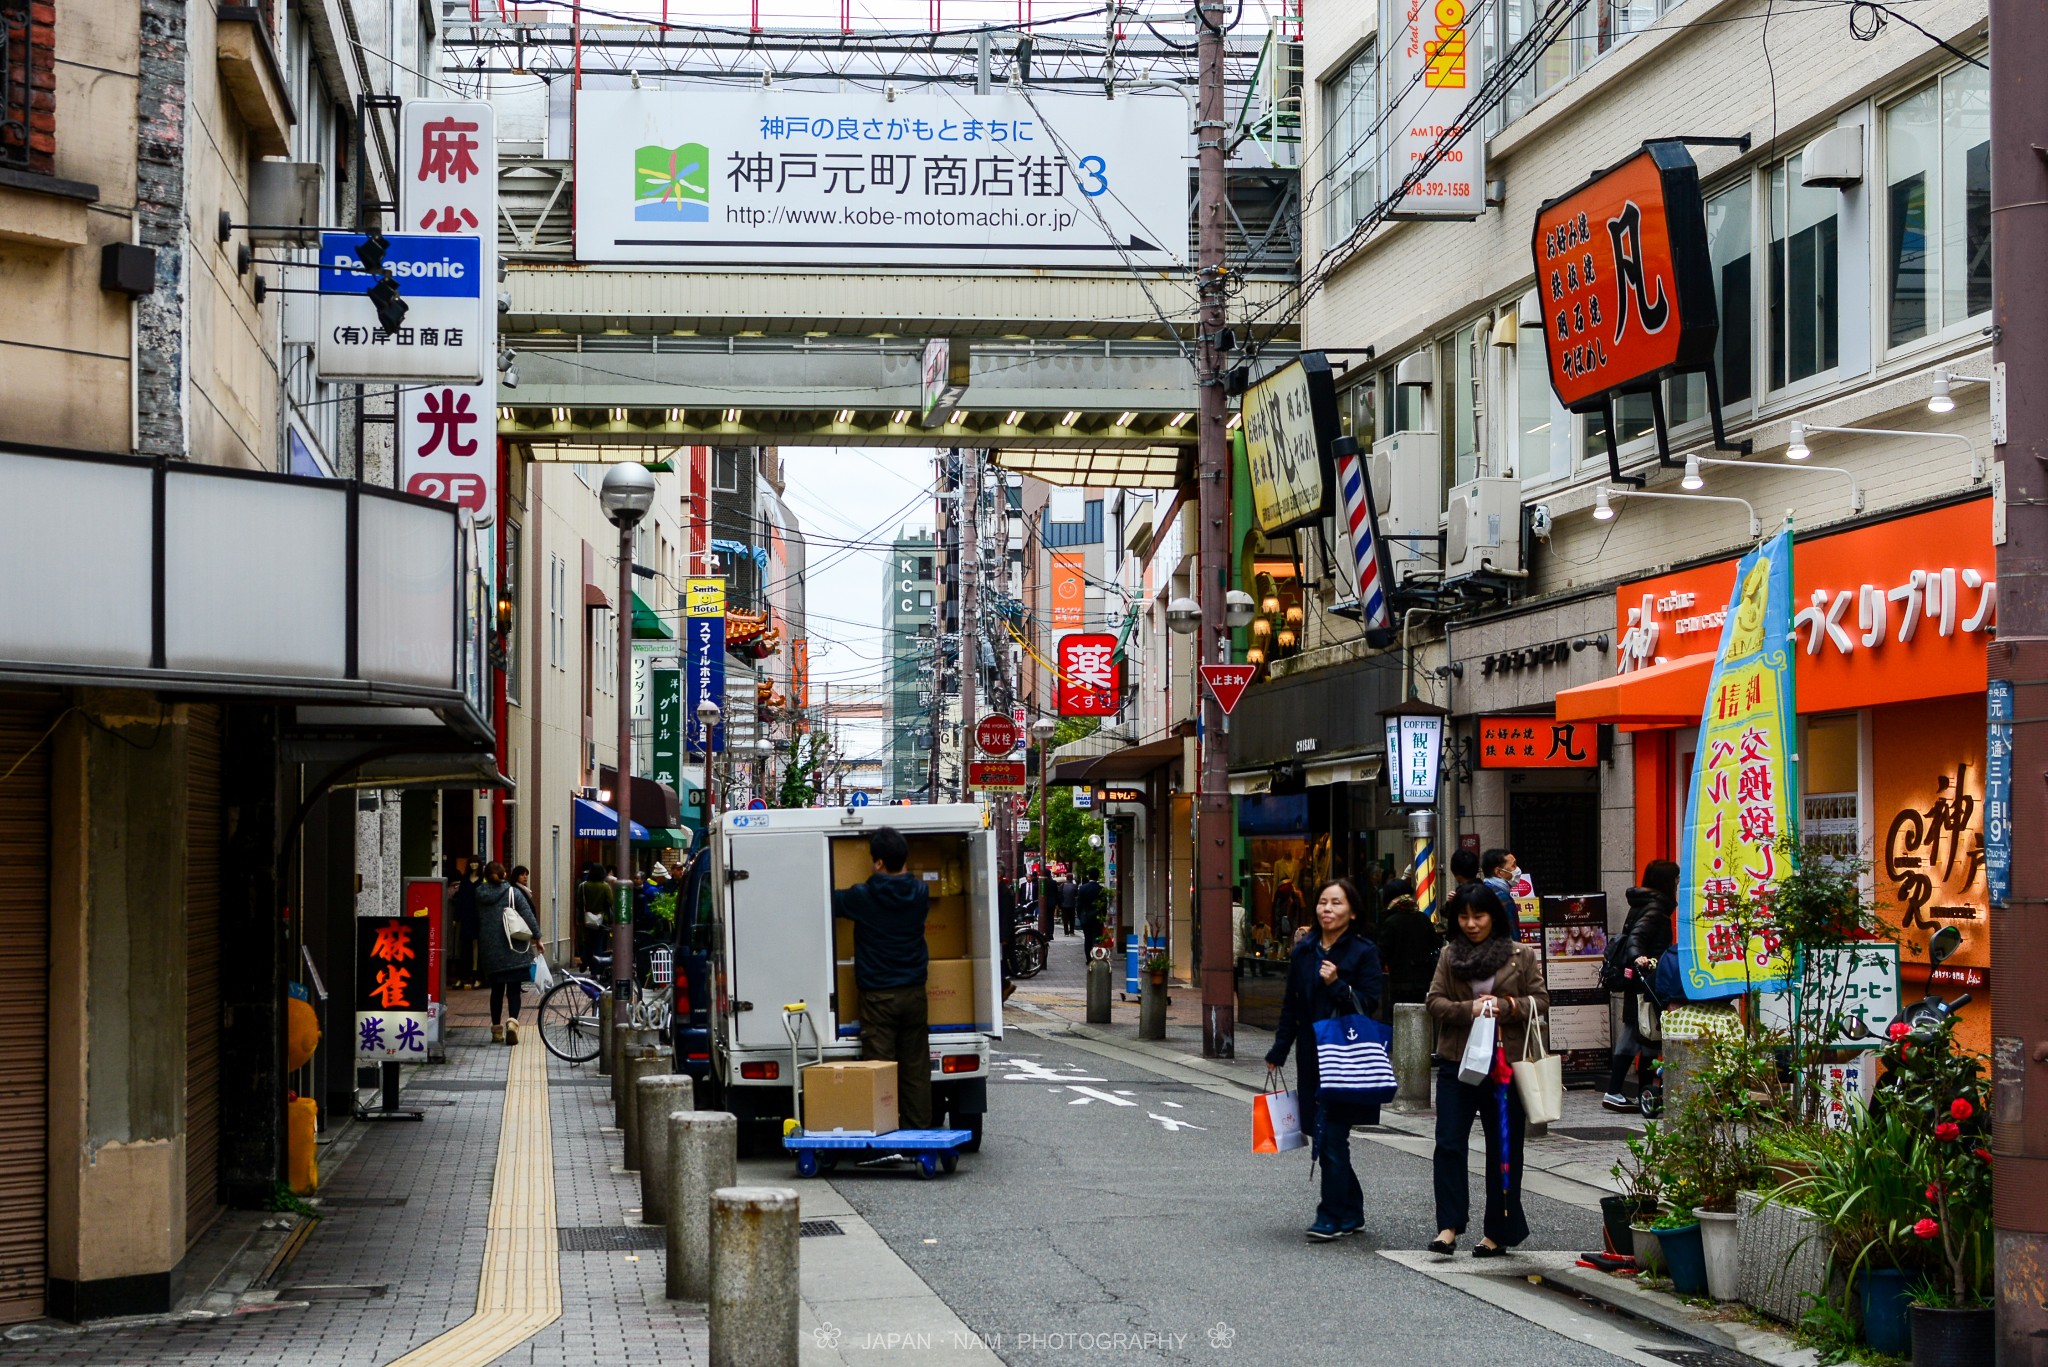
x=1228, y=683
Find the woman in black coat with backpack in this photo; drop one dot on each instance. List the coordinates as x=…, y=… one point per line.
x=1331, y=971
x=1644, y=938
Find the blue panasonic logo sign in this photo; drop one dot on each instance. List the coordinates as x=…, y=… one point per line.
x=425, y=265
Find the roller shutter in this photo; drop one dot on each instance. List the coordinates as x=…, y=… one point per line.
x=24, y=1004
x=202, y=972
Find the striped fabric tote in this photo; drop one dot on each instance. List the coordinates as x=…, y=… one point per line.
x=1352, y=1061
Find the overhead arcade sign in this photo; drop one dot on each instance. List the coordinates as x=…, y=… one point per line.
x=776, y=177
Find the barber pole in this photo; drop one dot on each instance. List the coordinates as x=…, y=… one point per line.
x=1361, y=521
x=1424, y=876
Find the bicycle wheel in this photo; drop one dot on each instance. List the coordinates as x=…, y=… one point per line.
x=568, y=1020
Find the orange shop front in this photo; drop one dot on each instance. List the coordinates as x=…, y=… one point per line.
x=1892, y=620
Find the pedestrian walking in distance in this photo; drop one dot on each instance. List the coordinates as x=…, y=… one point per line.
x=507, y=967
x=1483, y=971
x=1408, y=945
x=890, y=962
x=1645, y=936
x=1335, y=972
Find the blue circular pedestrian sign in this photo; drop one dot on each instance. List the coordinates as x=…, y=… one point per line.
x=757, y=805
x=857, y=800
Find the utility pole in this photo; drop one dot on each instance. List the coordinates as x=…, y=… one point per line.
x=2019, y=931
x=969, y=512
x=1212, y=475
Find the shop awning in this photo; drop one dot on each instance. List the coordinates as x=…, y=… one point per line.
x=595, y=821
x=648, y=624
x=1348, y=769
x=666, y=838
x=1108, y=760
x=654, y=803
x=1672, y=693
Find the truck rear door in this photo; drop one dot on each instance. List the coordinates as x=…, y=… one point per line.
x=780, y=903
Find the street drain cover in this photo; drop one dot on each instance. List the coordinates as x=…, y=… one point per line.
x=610, y=1238
x=1701, y=1357
x=331, y=1293
x=1596, y=1133
x=361, y=1202
x=812, y=1229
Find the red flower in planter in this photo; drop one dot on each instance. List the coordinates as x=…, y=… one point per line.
x=1897, y=1030
x=1984, y=1154
x=1927, y=1229
x=1948, y=1129
x=1961, y=1109
x=1934, y=1191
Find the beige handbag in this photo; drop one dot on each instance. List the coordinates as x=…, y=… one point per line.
x=1539, y=1077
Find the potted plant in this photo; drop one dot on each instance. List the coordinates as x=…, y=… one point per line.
x=1678, y=1237
x=1714, y=1136
x=1642, y=1188
x=1156, y=965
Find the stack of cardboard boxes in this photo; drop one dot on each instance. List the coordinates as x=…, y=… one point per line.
x=941, y=862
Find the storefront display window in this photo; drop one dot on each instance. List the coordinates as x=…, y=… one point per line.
x=1831, y=787
x=1286, y=862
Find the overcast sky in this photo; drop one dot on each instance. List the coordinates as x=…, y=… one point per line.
x=853, y=495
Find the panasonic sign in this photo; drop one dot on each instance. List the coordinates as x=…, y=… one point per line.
x=446, y=334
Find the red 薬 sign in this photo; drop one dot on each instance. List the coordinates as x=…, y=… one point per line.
x=1228, y=683
x=1091, y=678
x=996, y=734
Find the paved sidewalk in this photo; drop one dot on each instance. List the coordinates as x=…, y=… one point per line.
x=1573, y=1162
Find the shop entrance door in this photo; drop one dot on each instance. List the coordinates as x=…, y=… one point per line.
x=1556, y=839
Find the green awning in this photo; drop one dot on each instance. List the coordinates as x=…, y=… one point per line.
x=666, y=838
x=647, y=623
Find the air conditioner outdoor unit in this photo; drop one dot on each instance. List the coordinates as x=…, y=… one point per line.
x=1407, y=488
x=1484, y=530
x=590, y=794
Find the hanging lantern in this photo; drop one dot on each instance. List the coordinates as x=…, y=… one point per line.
x=1270, y=604
x=1294, y=616
x=1261, y=628
x=1255, y=656
x=1285, y=640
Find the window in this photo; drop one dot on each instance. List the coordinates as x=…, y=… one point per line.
x=555, y=611
x=1937, y=176
x=924, y=568
x=1355, y=413
x=924, y=598
x=1350, y=108
x=27, y=133
x=1457, y=370
x=1729, y=234
x=1804, y=304
x=725, y=470
x=1595, y=30
x=1542, y=427
x=1403, y=410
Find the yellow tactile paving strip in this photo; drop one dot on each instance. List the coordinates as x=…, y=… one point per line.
x=521, y=1290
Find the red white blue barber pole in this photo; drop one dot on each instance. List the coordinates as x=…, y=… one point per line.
x=1362, y=524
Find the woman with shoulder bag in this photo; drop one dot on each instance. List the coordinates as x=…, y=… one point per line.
x=507, y=965
x=1333, y=973
x=1645, y=937
x=1483, y=972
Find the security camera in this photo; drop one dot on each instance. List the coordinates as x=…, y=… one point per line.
x=1539, y=521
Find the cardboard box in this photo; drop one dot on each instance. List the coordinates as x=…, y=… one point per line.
x=945, y=928
x=949, y=996
x=847, y=1012
x=842, y=938
x=851, y=862
x=850, y=1096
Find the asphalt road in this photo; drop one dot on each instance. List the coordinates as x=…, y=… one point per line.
x=1113, y=1213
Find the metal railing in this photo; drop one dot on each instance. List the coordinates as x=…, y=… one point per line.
x=17, y=83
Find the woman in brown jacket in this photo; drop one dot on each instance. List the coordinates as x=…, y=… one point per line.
x=1482, y=971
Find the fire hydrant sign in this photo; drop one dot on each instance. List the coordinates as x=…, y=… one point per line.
x=448, y=187
x=392, y=970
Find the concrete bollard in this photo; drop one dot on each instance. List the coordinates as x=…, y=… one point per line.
x=638, y=1063
x=661, y=1095
x=1411, y=1057
x=626, y=1041
x=1151, y=1008
x=753, y=1301
x=1098, y=991
x=703, y=1155
x=604, y=1036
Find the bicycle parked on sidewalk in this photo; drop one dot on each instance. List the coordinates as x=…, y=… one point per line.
x=569, y=1010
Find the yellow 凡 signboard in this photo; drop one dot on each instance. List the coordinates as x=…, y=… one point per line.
x=1744, y=786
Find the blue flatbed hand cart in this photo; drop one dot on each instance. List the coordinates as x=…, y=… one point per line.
x=933, y=1151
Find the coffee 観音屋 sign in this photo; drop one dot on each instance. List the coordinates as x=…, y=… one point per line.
x=1290, y=419
x=1625, y=283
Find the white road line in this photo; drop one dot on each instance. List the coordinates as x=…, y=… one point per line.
x=1171, y=1124
x=1090, y=1094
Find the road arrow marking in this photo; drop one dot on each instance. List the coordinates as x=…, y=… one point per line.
x=1171, y=1124
x=1090, y=1094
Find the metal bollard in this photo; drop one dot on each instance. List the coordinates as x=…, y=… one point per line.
x=753, y=1301
x=1098, y=991
x=1411, y=1057
x=660, y=1095
x=625, y=1043
x=640, y=1062
x=604, y=1036
x=1151, y=1008
x=703, y=1155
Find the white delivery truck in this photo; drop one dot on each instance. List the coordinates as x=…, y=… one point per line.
x=775, y=942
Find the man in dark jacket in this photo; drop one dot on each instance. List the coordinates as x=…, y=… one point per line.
x=889, y=962
x=1088, y=907
x=1408, y=944
x=1644, y=938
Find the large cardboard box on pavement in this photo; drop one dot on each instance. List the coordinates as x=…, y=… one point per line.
x=856, y=1097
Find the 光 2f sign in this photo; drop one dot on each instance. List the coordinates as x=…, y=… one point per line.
x=1434, y=66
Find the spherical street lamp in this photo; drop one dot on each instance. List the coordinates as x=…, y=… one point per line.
x=1238, y=609
x=1183, y=615
x=626, y=493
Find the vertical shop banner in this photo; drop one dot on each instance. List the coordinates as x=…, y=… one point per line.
x=393, y=958
x=1434, y=66
x=448, y=186
x=1069, y=591
x=1998, y=794
x=668, y=727
x=426, y=899
x=704, y=663
x=1739, y=801
x=1091, y=678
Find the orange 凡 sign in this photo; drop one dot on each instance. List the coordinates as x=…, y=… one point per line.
x=1622, y=272
x=1537, y=743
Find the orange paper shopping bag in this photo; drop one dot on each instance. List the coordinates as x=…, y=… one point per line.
x=1276, y=1123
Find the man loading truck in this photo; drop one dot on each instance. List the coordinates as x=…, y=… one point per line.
x=889, y=966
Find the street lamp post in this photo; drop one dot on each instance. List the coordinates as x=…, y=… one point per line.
x=626, y=494
x=1043, y=729
x=707, y=722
